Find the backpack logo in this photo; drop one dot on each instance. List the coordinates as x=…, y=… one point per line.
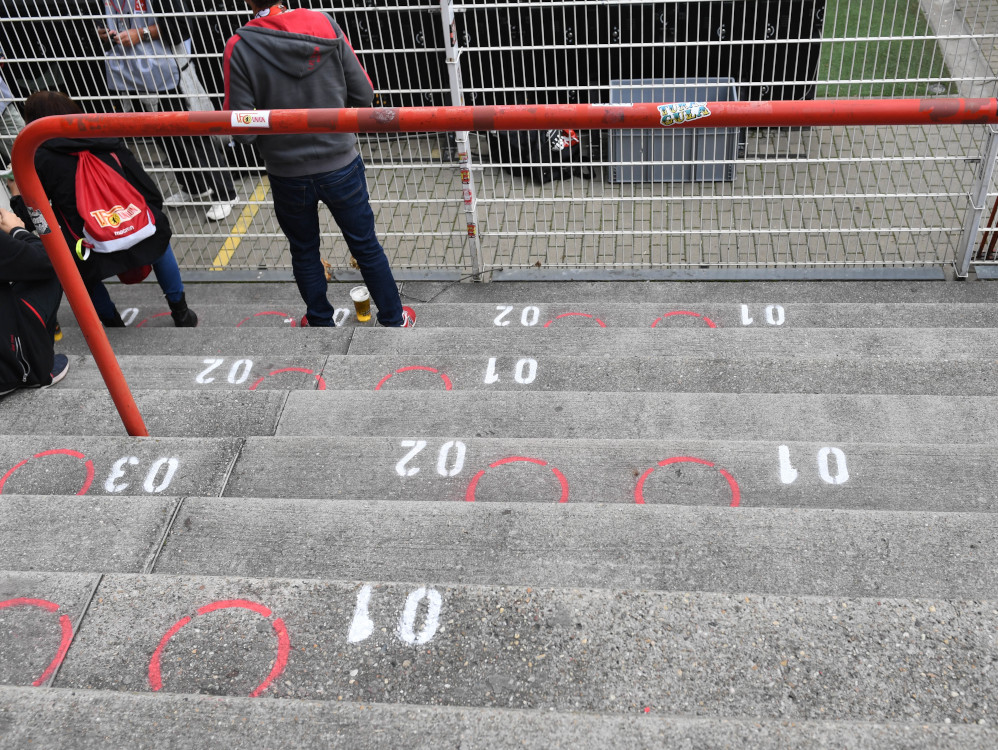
x=113, y=217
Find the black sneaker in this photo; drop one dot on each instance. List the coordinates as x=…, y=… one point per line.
x=60, y=367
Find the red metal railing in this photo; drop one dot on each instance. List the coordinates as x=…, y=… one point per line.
x=429, y=119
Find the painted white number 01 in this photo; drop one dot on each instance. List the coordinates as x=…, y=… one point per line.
x=788, y=474
x=524, y=374
x=362, y=625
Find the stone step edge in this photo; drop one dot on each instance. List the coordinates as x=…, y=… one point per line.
x=69, y=714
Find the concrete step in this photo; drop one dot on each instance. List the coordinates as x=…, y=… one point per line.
x=639, y=416
x=662, y=547
x=740, y=656
x=165, y=413
x=635, y=292
x=832, y=419
x=811, y=343
x=720, y=374
x=598, y=314
x=861, y=476
x=88, y=719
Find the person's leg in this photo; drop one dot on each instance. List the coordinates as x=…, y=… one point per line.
x=297, y=209
x=168, y=275
x=42, y=298
x=345, y=193
x=200, y=155
x=103, y=304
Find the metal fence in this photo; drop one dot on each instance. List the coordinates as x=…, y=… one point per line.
x=734, y=199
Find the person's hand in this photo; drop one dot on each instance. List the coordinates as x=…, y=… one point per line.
x=11, y=185
x=9, y=220
x=128, y=38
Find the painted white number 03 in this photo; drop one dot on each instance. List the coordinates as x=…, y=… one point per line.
x=362, y=625
x=788, y=474
x=447, y=465
x=153, y=481
x=238, y=374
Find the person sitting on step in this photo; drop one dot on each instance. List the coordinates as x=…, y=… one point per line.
x=30, y=295
x=56, y=163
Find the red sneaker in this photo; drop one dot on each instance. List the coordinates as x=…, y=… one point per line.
x=408, y=318
x=304, y=321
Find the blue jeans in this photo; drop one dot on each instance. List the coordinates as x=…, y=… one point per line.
x=167, y=275
x=296, y=204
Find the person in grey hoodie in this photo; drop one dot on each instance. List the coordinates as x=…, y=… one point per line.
x=301, y=59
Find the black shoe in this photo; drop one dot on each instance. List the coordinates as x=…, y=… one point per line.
x=183, y=316
x=115, y=322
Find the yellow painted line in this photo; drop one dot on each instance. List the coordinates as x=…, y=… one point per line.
x=242, y=225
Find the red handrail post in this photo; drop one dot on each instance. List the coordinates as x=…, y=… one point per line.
x=23, y=162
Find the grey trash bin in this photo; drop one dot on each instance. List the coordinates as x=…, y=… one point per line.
x=673, y=154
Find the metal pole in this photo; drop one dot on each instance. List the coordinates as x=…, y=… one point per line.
x=978, y=196
x=462, y=137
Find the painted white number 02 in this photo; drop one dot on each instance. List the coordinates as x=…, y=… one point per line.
x=788, y=474
x=529, y=317
x=238, y=374
x=443, y=458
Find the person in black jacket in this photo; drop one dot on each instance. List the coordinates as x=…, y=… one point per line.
x=30, y=295
x=56, y=163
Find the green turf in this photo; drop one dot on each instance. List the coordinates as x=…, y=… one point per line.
x=858, y=62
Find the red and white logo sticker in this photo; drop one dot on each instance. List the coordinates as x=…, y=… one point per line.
x=253, y=119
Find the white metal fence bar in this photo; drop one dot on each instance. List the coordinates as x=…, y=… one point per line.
x=760, y=198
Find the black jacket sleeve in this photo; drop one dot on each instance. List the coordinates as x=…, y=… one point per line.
x=173, y=29
x=23, y=258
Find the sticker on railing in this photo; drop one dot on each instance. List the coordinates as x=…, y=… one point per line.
x=675, y=114
x=254, y=119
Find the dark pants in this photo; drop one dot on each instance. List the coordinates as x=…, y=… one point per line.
x=198, y=153
x=37, y=304
x=296, y=204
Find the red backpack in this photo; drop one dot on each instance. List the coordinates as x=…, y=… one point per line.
x=115, y=215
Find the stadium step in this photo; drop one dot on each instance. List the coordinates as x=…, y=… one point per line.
x=97, y=719
x=775, y=532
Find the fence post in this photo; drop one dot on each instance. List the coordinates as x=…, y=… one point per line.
x=462, y=137
x=978, y=197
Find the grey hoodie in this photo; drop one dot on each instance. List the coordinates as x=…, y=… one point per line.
x=298, y=59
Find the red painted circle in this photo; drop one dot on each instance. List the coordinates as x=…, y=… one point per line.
x=576, y=314
x=152, y=317
x=59, y=451
x=268, y=312
x=736, y=493
x=469, y=494
x=443, y=376
x=64, y=624
x=283, y=642
x=319, y=378
x=710, y=323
